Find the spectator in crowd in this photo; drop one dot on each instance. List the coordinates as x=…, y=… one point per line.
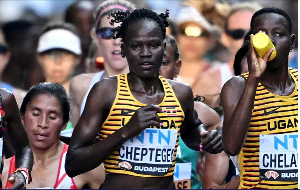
x=94, y=62
x=23, y=69
x=59, y=52
x=110, y=49
x=4, y=58
x=218, y=163
x=133, y=104
x=236, y=25
x=196, y=37
x=261, y=109
x=45, y=111
x=80, y=14
x=185, y=174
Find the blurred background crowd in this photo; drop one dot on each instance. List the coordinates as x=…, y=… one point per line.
x=22, y=22
x=208, y=32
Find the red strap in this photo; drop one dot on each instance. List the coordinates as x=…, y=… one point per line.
x=12, y=168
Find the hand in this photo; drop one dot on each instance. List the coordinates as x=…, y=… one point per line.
x=17, y=180
x=142, y=119
x=211, y=140
x=256, y=64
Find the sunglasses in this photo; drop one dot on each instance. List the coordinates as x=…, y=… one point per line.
x=237, y=34
x=3, y=49
x=105, y=32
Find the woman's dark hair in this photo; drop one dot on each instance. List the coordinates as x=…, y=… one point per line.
x=173, y=28
x=241, y=54
x=127, y=18
x=275, y=11
x=171, y=40
x=108, y=3
x=59, y=25
x=53, y=89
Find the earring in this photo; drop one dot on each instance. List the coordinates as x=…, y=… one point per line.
x=165, y=53
x=292, y=47
x=122, y=55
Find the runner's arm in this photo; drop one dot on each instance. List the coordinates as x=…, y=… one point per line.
x=16, y=133
x=208, y=116
x=217, y=164
x=237, y=99
x=190, y=133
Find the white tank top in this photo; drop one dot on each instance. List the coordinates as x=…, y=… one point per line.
x=95, y=79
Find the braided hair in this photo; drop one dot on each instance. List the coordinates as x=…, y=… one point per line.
x=127, y=18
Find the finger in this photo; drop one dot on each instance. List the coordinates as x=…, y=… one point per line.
x=217, y=148
x=11, y=179
x=203, y=134
x=267, y=56
x=151, y=117
x=209, y=147
x=151, y=123
x=18, y=184
x=153, y=107
x=251, y=47
x=210, y=136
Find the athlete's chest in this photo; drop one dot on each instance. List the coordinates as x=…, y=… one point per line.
x=44, y=174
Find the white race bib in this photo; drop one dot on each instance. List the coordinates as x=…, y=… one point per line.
x=182, y=175
x=278, y=157
x=150, y=153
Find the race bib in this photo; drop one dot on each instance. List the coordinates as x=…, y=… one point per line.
x=278, y=157
x=150, y=153
x=182, y=175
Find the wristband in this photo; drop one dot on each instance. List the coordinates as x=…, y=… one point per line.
x=25, y=173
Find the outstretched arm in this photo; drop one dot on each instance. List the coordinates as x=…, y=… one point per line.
x=18, y=138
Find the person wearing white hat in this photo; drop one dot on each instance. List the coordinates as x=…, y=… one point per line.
x=196, y=37
x=59, y=52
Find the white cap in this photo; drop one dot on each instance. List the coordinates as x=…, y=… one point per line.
x=59, y=39
x=191, y=14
